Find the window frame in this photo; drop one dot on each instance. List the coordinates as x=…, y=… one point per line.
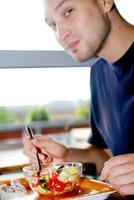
x=39, y=59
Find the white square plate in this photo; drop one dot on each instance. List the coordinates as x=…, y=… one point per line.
x=99, y=191
x=100, y=196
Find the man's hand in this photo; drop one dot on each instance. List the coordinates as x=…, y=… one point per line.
x=119, y=171
x=49, y=150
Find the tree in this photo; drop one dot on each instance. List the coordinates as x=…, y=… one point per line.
x=37, y=114
x=6, y=117
x=82, y=110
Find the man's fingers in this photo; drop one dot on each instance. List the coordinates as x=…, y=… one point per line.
x=29, y=147
x=108, y=165
x=121, y=180
x=127, y=189
x=44, y=159
x=42, y=142
x=30, y=154
x=41, y=156
x=104, y=173
x=117, y=166
x=119, y=160
x=121, y=169
x=30, y=150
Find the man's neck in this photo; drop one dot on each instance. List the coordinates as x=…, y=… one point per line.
x=119, y=40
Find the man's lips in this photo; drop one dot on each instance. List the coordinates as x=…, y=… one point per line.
x=73, y=45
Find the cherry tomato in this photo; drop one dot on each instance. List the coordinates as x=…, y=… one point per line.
x=50, y=183
x=69, y=184
x=57, y=185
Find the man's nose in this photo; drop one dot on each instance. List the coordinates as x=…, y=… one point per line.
x=62, y=33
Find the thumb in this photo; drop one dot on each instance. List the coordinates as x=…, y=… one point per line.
x=42, y=150
x=36, y=143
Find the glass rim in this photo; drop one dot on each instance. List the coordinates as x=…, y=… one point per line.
x=29, y=168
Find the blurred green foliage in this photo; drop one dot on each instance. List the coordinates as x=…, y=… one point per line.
x=37, y=114
x=13, y=116
x=6, y=117
x=82, y=110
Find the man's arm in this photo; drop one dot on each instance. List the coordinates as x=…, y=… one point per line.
x=51, y=150
x=92, y=154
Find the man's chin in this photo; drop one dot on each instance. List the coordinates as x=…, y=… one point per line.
x=81, y=59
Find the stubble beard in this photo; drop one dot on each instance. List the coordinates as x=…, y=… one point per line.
x=92, y=48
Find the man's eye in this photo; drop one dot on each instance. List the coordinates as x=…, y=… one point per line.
x=68, y=12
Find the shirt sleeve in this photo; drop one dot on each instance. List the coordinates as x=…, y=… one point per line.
x=96, y=138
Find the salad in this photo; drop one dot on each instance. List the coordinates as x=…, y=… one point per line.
x=55, y=180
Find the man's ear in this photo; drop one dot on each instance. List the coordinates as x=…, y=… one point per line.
x=108, y=5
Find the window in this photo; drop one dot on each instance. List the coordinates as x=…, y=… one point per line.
x=20, y=87
x=24, y=32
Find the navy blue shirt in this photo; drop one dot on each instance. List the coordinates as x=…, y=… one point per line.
x=112, y=104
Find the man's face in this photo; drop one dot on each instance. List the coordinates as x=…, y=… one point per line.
x=81, y=26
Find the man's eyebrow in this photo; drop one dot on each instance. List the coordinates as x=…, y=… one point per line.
x=56, y=8
x=60, y=4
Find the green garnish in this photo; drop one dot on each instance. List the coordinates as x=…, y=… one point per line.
x=43, y=180
x=44, y=186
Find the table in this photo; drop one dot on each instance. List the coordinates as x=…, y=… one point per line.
x=14, y=160
x=117, y=197
x=113, y=197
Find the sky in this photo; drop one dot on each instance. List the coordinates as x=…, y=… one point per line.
x=22, y=27
x=40, y=86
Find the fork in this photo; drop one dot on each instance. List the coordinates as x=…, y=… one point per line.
x=30, y=132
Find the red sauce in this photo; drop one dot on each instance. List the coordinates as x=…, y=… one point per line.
x=69, y=195
x=86, y=186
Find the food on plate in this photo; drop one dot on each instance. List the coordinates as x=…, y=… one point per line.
x=12, y=191
x=55, y=179
x=94, y=187
x=87, y=188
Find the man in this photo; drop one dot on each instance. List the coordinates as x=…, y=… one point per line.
x=86, y=28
